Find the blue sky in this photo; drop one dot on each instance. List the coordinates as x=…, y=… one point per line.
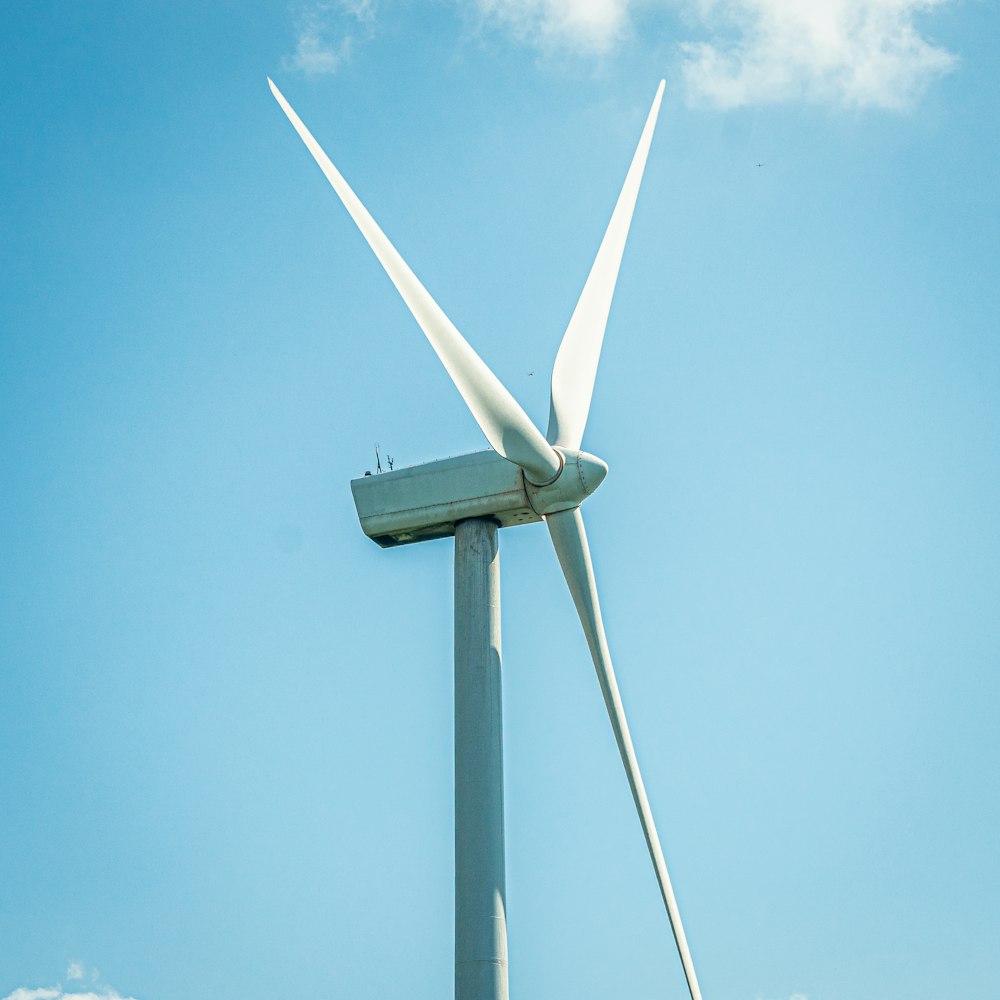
x=225, y=715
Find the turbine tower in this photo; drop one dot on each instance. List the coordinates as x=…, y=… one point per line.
x=524, y=478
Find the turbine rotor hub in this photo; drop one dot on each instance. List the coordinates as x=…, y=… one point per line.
x=579, y=476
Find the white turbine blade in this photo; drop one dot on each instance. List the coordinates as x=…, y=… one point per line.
x=570, y=541
x=506, y=426
x=575, y=367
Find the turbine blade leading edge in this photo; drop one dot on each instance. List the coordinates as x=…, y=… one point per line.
x=506, y=426
x=570, y=541
x=575, y=367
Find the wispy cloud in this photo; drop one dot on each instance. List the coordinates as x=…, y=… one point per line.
x=591, y=27
x=849, y=53
x=853, y=53
x=75, y=971
x=56, y=993
x=327, y=33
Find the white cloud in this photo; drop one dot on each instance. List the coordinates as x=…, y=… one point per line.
x=56, y=993
x=327, y=33
x=363, y=10
x=76, y=971
x=43, y=993
x=851, y=53
x=592, y=27
x=854, y=53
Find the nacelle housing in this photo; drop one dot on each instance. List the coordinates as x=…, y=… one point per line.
x=427, y=501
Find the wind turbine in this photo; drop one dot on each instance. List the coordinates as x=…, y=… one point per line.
x=525, y=478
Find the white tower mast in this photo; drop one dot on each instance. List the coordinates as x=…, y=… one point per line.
x=480, y=886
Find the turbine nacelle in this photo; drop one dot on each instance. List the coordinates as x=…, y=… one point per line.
x=426, y=501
